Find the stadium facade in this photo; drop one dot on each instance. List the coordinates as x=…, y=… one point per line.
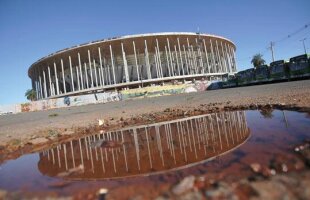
x=132, y=61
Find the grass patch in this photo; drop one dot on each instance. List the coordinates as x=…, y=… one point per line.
x=52, y=133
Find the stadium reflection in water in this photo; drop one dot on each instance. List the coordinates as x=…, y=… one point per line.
x=147, y=149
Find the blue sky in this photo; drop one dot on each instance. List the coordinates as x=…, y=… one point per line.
x=32, y=29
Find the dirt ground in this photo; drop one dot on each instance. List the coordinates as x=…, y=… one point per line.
x=34, y=130
x=23, y=127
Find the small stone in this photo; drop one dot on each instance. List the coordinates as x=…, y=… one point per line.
x=256, y=167
x=185, y=185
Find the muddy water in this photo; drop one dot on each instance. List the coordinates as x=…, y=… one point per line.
x=159, y=152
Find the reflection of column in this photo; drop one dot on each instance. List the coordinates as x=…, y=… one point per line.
x=148, y=147
x=81, y=152
x=65, y=154
x=136, y=147
x=159, y=145
x=72, y=154
x=58, y=157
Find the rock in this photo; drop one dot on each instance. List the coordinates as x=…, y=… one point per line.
x=100, y=122
x=256, y=167
x=272, y=190
x=38, y=141
x=185, y=185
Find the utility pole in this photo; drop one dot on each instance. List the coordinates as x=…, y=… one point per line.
x=271, y=48
x=303, y=42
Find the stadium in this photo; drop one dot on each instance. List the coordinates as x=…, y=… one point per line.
x=132, y=61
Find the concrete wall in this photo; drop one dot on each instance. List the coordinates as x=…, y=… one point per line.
x=151, y=91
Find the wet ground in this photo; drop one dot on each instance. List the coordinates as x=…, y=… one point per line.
x=186, y=156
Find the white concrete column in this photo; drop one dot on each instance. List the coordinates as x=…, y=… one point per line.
x=194, y=59
x=136, y=60
x=147, y=61
x=77, y=77
x=41, y=91
x=112, y=63
x=156, y=64
x=224, y=58
x=234, y=60
x=167, y=59
x=50, y=80
x=228, y=58
x=170, y=57
x=86, y=75
x=125, y=64
x=176, y=57
x=71, y=73
x=90, y=70
x=182, y=65
x=218, y=56
x=56, y=79
x=100, y=60
x=81, y=72
x=45, y=88
x=159, y=59
x=190, y=57
x=100, y=76
x=206, y=52
x=186, y=60
x=95, y=69
x=202, y=71
x=63, y=76
x=215, y=70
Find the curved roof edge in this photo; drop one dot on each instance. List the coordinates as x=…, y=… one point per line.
x=125, y=37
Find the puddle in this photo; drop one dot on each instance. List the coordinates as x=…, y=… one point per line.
x=184, y=146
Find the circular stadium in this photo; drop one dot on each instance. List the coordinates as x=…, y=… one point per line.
x=132, y=61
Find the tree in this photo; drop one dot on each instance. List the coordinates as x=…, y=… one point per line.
x=31, y=94
x=258, y=60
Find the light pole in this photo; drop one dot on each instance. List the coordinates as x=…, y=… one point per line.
x=303, y=42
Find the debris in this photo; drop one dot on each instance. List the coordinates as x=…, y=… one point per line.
x=102, y=193
x=100, y=122
x=185, y=185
